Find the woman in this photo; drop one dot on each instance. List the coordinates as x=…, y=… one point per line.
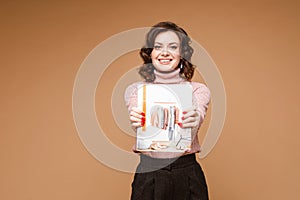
x=167, y=60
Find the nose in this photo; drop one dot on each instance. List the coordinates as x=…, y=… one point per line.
x=165, y=51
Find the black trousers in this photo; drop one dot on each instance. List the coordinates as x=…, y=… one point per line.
x=172, y=179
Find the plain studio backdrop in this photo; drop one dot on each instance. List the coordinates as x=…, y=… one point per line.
x=255, y=45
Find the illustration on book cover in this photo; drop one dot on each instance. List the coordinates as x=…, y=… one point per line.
x=163, y=105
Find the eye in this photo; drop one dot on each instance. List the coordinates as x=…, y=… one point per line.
x=157, y=47
x=173, y=47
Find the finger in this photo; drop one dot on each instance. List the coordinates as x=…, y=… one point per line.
x=190, y=119
x=136, y=115
x=189, y=125
x=135, y=119
x=136, y=124
x=191, y=113
x=137, y=110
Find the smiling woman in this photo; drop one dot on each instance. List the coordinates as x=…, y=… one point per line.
x=169, y=175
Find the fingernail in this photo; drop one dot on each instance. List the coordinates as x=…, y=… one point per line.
x=143, y=114
x=184, y=112
x=179, y=124
x=182, y=118
x=143, y=122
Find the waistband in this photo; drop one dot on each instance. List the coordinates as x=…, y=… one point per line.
x=167, y=163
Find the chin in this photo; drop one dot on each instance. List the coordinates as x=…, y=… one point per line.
x=164, y=68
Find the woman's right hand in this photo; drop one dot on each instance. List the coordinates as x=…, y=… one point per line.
x=136, y=117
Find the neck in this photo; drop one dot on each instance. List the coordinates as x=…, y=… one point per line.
x=168, y=77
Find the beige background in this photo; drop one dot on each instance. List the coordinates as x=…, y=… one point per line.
x=254, y=44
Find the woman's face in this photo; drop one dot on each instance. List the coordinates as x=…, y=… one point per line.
x=166, y=51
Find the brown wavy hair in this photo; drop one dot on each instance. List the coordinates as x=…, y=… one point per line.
x=186, y=51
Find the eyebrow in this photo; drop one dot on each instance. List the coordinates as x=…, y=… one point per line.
x=168, y=44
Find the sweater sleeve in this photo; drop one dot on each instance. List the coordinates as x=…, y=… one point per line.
x=201, y=99
x=130, y=96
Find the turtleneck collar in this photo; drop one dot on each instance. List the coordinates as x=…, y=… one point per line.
x=169, y=77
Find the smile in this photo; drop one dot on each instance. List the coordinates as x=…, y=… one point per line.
x=165, y=61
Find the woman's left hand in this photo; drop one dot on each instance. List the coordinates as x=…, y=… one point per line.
x=190, y=118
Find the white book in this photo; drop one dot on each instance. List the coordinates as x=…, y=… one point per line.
x=163, y=105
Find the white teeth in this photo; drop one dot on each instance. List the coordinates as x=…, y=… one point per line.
x=164, y=61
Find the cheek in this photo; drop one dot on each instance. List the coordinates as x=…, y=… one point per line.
x=177, y=57
x=178, y=53
x=154, y=54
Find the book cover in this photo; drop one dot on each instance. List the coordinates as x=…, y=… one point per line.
x=163, y=105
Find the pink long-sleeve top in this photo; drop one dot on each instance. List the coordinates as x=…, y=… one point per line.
x=201, y=98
